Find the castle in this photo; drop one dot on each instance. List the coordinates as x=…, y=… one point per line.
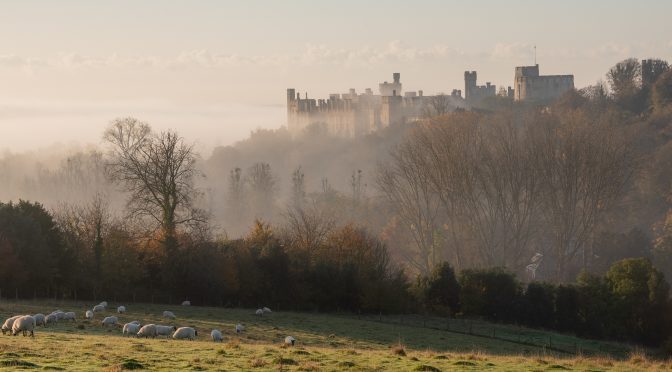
x=351, y=114
x=529, y=86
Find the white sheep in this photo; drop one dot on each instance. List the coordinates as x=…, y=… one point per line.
x=183, y=333
x=60, y=315
x=24, y=324
x=89, y=314
x=9, y=322
x=239, y=328
x=121, y=309
x=110, y=320
x=216, y=335
x=163, y=330
x=98, y=308
x=50, y=319
x=148, y=330
x=289, y=340
x=266, y=310
x=186, y=303
x=168, y=314
x=135, y=322
x=259, y=312
x=39, y=319
x=130, y=328
x=103, y=304
x=69, y=316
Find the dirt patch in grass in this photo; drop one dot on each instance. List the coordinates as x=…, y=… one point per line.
x=465, y=363
x=346, y=364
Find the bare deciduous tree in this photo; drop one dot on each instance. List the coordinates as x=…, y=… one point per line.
x=157, y=169
x=584, y=167
x=404, y=181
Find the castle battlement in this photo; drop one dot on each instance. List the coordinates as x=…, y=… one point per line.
x=531, y=87
x=351, y=114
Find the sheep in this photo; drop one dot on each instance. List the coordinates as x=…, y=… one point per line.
x=135, y=322
x=110, y=320
x=239, y=328
x=185, y=333
x=266, y=310
x=186, y=303
x=216, y=335
x=89, y=314
x=259, y=312
x=148, y=330
x=24, y=324
x=49, y=319
x=39, y=319
x=60, y=315
x=9, y=322
x=103, y=304
x=130, y=328
x=162, y=330
x=168, y=314
x=98, y=308
x=69, y=316
x=121, y=309
x=289, y=340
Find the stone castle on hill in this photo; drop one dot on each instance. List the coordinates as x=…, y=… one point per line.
x=352, y=114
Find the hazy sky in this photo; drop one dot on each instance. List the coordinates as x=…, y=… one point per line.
x=214, y=70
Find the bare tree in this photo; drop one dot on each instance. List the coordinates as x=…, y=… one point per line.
x=404, y=182
x=157, y=169
x=625, y=78
x=307, y=229
x=437, y=105
x=298, y=188
x=262, y=185
x=584, y=167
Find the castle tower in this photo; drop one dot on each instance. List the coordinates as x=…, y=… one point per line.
x=291, y=95
x=469, y=84
x=389, y=89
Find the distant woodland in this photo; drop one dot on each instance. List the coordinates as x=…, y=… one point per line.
x=542, y=215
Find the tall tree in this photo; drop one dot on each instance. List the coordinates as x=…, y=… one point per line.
x=158, y=170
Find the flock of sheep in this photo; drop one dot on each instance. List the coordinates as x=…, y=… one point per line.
x=27, y=323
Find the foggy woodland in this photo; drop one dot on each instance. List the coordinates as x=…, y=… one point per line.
x=543, y=193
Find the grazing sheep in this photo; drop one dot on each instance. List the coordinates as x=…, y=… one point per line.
x=98, y=308
x=121, y=309
x=216, y=335
x=24, y=324
x=49, y=319
x=162, y=330
x=7, y=325
x=110, y=320
x=186, y=303
x=183, y=333
x=289, y=340
x=239, y=328
x=103, y=304
x=69, y=316
x=39, y=319
x=60, y=315
x=130, y=328
x=259, y=312
x=148, y=330
x=266, y=310
x=89, y=314
x=135, y=322
x=168, y=314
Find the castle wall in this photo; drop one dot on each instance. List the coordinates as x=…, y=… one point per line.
x=542, y=88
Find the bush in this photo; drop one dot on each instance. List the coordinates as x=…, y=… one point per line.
x=441, y=291
x=537, y=305
x=489, y=293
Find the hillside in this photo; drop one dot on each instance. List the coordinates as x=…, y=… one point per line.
x=324, y=342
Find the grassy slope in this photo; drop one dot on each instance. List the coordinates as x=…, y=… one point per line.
x=324, y=343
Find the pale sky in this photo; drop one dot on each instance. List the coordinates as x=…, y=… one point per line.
x=214, y=70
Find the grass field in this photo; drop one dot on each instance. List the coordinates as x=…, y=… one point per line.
x=324, y=343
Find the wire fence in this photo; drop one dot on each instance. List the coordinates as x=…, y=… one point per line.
x=544, y=340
